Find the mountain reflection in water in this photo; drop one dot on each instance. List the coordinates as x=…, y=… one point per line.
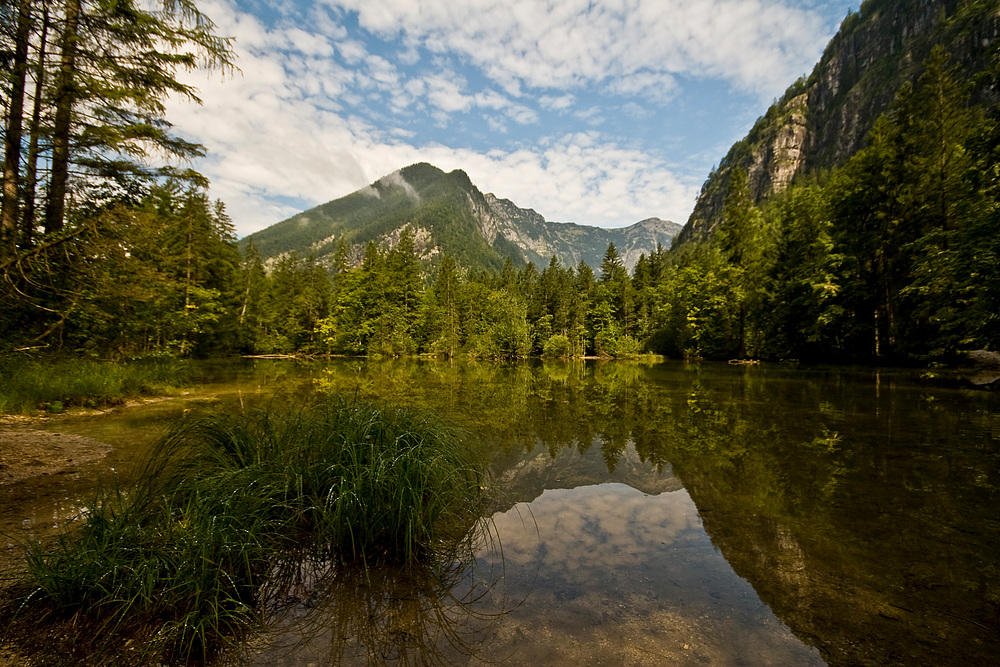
x=858, y=504
x=610, y=575
x=680, y=514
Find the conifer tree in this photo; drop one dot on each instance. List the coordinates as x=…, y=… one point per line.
x=83, y=130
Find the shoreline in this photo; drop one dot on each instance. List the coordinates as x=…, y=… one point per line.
x=28, y=451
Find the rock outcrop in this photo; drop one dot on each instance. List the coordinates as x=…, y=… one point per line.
x=823, y=120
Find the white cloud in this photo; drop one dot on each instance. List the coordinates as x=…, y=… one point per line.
x=268, y=142
x=556, y=103
x=591, y=115
x=446, y=91
x=758, y=45
x=287, y=134
x=396, y=180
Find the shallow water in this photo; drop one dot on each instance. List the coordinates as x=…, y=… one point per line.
x=651, y=514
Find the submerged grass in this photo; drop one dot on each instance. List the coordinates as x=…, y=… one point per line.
x=219, y=521
x=29, y=384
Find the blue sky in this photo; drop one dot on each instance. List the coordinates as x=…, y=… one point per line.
x=601, y=112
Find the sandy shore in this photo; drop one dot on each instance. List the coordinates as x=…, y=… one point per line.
x=27, y=452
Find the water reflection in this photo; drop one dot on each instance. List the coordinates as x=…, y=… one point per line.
x=612, y=576
x=423, y=615
x=746, y=513
x=860, y=505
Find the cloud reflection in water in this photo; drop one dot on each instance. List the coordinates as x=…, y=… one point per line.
x=610, y=575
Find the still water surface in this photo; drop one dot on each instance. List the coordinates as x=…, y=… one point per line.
x=667, y=514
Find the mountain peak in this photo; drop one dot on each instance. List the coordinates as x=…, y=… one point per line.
x=449, y=214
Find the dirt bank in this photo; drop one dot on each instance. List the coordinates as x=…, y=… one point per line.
x=26, y=452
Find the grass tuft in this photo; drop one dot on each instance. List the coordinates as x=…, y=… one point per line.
x=218, y=522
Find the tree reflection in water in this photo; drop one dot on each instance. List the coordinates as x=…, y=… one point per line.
x=859, y=503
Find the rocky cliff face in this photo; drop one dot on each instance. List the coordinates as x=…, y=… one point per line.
x=570, y=243
x=822, y=121
x=448, y=213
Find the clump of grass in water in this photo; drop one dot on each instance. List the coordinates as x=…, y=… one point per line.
x=229, y=506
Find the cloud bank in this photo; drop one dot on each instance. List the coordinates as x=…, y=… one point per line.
x=521, y=94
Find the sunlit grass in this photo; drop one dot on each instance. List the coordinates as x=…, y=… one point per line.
x=27, y=384
x=229, y=506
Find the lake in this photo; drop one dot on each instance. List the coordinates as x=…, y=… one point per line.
x=647, y=514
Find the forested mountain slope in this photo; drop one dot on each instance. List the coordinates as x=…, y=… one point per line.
x=448, y=214
x=824, y=119
x=860, y=218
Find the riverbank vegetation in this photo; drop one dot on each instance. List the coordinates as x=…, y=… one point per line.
x=231, y=512
x=27, y=385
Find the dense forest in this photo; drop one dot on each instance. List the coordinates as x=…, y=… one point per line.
x=894, y=256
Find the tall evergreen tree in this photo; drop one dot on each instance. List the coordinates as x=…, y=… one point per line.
x=737, y=240
x=94, y=124
x=445, y=327
x=801, y=313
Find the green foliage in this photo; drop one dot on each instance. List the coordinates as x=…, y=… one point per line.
x=295, y=302
x=230, y=509
x=698, y=310
x=165, y=283
x=86, y=106
x=557, y=346
x=893, y=257
x=27, y=385
x=499, y=330
x=801, y=284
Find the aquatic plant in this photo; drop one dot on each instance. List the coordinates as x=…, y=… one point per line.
x=217, y=523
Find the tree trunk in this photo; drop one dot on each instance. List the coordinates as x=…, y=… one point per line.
x=31, y=168
x=12, y=148
x=64, y=101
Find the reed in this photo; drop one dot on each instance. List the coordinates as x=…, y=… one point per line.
x=219, y=520
x=29, y=384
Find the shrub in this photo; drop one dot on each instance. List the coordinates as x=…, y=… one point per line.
x=556, y=346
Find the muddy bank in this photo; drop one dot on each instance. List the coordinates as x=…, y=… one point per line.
x=26, y=452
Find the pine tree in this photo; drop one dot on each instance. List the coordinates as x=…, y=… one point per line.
x=612, y=267
x=93, y=122
x=445, y=331
x=737, y=241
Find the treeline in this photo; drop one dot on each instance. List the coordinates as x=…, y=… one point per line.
x=388, y=306
x=164, y=276
x=894, y=256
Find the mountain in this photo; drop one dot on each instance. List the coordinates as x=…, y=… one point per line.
x=447, y=213
x=823, y=119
